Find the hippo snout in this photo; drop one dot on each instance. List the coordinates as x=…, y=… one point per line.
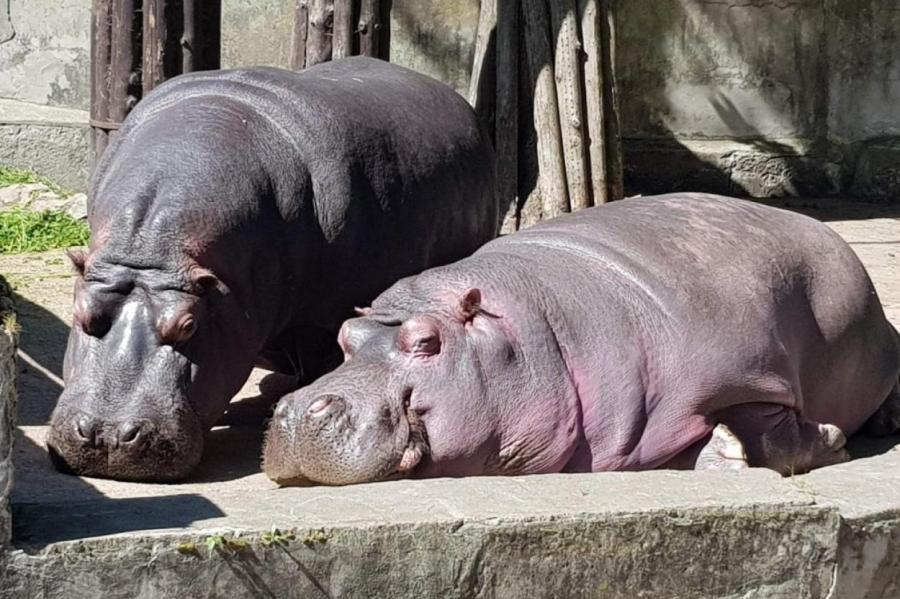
x=140, y=449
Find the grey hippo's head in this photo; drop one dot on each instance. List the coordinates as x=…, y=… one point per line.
x=410, y=398
x=153, y=357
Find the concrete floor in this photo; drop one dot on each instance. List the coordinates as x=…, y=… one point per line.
x=228, y=488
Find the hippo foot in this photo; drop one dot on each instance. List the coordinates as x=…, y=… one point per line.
x=724, y=451
x=886, y=420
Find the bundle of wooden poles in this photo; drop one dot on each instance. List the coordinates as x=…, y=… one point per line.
x=329, y=29
x=543, y=83
x=138, y=44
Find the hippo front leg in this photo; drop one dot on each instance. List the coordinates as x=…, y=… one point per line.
x=773, y=437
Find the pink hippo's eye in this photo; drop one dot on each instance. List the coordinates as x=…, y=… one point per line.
x=420, y=336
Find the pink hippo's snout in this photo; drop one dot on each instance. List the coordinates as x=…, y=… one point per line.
x=328, y=439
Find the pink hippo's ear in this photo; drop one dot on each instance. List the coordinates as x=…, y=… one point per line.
x=420, y=336
x=78, y=259
x=469, y=305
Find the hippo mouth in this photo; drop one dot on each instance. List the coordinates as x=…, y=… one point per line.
x=416, y=445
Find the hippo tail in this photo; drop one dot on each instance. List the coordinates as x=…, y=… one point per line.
x=886, y=419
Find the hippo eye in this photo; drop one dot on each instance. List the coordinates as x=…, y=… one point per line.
x=183, y=330
x=186, y=328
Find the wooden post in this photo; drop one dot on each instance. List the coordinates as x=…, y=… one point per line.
x=319, y=31
x=201, y=38
x=369, y=28
x=342, y=42
x=614, y=154
x=568, y=88
x=384, y=29
x=101, y=22
x=593, y=90
x=552, y=178
x=122, y=71
x=507, y=112
x=482, y=83
x=301, y=28
x=155, y=36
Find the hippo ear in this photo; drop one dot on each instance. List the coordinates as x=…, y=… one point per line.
x=205, y=281
x=420, y=336
x=469, y=305
x=78, y=259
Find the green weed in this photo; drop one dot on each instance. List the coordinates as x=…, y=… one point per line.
x=26, y=231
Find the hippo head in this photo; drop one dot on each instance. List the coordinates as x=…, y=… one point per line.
x=153, y=357
x=410, y=396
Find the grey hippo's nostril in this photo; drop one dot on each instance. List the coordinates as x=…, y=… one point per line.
x=87, y=431
x=129, y=432
x=324, y=405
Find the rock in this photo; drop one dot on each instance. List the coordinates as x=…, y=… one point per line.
x=77, y=206
x=39, y=197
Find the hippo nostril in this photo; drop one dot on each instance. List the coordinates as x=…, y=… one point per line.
x=281, y=410
x=88, y=432
x=129, y=433
x=324, y=405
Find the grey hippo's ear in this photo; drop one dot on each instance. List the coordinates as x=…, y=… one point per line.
x=469, y=305
x=203, y=281
x=78, y=259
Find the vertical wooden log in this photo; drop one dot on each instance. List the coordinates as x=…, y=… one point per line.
x=384, y=30
x=201, y=36
x=482, y=83
x=593, y=89
x=567, y=69
x=507, y=122
x=101, y=21
x=369, y=28
x=552, y=178
x=529, y=191
x=319, y=32
x=155, y=36
x=122, y=61
x=301, y=29
x=342, y=41
x=188, y=38
x=614, y=153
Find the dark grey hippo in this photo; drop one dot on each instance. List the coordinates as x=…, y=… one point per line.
x=238, y=218
x=685, y=330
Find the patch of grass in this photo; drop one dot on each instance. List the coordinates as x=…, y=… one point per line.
x=26, y=231
x=14, y=176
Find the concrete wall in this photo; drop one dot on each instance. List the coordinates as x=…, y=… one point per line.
x=741, y=96
x=798, y=92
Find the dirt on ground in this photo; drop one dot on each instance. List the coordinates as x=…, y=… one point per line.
x=43, y=287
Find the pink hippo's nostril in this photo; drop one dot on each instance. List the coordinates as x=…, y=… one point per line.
x=324, y=405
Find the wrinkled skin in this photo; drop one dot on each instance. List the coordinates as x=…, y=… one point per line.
x=238, y=218
x=678, y=331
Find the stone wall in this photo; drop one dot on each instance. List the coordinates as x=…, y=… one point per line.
x=741, y=96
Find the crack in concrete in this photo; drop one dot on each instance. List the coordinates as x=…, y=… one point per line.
x=7, y=31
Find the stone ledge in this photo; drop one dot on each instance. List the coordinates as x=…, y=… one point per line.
x=611, y=535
